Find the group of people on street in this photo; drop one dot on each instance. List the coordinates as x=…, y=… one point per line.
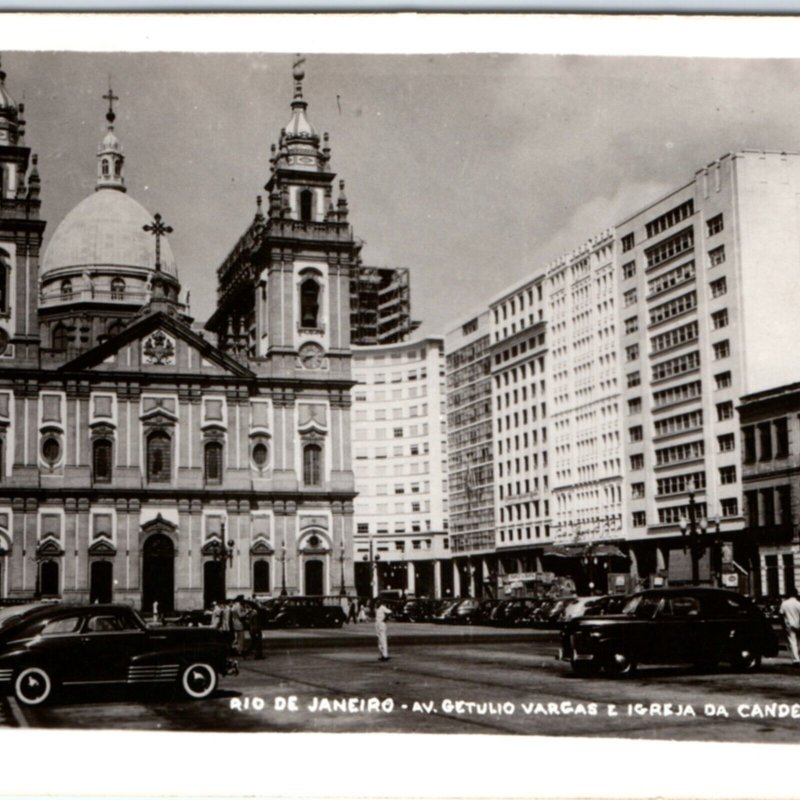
x=790, y=611
x=237, y=616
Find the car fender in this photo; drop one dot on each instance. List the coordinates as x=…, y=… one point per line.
x=215, y=655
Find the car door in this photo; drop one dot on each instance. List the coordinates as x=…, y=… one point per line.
x=56, y=647
x=108, y=640
x=680, y=634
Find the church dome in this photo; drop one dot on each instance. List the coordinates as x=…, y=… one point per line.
x=106, y=230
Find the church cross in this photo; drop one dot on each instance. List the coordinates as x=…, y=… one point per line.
x=158, y=229
x=111, y=97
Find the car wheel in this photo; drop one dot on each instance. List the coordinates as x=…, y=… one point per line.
x=33, y=686
x=618, y=663
x=585, y=668
x=745, y=659
x=199, y=680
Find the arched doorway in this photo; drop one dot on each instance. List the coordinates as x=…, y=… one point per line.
x=49, y=584
x=314, y=582
x=158, y=573
x=100, y=582
x=213, y=582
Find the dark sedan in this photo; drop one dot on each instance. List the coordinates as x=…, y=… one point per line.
x=701, y=626
x=45, y=647
x=305, y=612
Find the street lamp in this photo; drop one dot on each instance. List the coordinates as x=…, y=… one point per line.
x=690, y=527
x=716, y=552
x=373, y=558
x=342, y=591
x=283, y=566
x=223, y=552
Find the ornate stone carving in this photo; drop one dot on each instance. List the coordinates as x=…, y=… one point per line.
x=158, y=349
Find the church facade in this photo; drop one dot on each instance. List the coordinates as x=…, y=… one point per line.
x=141, y=460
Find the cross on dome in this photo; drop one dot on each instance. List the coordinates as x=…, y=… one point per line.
x=158, y=229
x=109, y=155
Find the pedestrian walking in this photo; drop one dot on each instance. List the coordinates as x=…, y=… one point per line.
x=256, y=636
x=237, y=624
x=216, y=615
x=362, y=612
x=790, y=611
x=352, y=613
x=225, y=617
x=382, y=613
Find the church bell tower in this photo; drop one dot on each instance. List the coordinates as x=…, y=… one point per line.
x=21, y=233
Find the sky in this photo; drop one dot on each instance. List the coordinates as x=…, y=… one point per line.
x=473, y=170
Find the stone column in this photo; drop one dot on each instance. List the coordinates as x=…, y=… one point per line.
x=411, y=584
x=437, y=578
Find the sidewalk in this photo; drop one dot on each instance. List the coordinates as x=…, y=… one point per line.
x=362, y=634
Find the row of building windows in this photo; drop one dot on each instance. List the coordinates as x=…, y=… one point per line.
x=673, y=308
x=759, y=443
x=681, y=422
x=672, y=247
x=671, y=278
x=674, y=337
x=676, y=366
x=672, y=217
x=679, y=453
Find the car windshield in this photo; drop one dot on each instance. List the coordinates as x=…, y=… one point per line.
x=642, y=606
x=11, y=614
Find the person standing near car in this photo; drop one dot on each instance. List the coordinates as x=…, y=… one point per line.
x=237, y=624
x=790, y=611
x=352, y=614
x=382, y=613
x=256, y=636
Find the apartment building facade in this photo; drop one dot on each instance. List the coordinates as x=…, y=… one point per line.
x=400, y=464
x=706, y=277
x=470, y=439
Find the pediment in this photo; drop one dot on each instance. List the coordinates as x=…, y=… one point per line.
x=102, y=547
x=158, y=343
x=159, y=524
x=49, y=548
x=261, y=547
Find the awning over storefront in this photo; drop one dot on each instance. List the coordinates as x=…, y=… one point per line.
x=600, y=550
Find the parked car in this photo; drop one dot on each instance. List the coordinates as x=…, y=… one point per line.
x=608, y=604
x=442, y=616
x=46, y=647
x=304, y=612
x=693, y=625
x=417, y=609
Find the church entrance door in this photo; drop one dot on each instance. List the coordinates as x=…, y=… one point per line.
x=213, y=583
x=100, y=582
x=315, y=585
x=158, y=573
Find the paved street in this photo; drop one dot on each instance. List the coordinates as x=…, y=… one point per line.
x=469, y=681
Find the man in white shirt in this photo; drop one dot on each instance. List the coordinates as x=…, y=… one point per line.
x=790, y=611
x=382, y=612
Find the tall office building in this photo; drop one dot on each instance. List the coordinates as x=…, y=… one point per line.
x=470, y=438
x=400, y=463
x=708, y=277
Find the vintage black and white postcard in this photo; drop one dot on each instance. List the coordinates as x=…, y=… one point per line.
x=443, y=388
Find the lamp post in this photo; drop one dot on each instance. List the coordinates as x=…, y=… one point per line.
x=716, y=552
x=342, y=591
x=373, y=559
x=690, y=527
x=223, y=554
x=283, y=566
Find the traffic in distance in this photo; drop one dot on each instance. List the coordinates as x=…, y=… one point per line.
x=47, y=646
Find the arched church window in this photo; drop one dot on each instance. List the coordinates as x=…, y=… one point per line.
x=66, y=289
x=101, y=461
x=312, y=465
x=306, y=205
x=117, y=289
x=106, y=172
x=118, y=168
x=213, y=462
x=60, y=337
x=159, y=457
x=309, y=304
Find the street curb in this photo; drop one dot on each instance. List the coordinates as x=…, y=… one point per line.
x=301, y=641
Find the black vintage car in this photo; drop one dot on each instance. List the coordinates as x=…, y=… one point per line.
x=696, y=625
x=45, y=647
x=306, y=612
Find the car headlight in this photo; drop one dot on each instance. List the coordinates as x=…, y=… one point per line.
x=595, y=634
